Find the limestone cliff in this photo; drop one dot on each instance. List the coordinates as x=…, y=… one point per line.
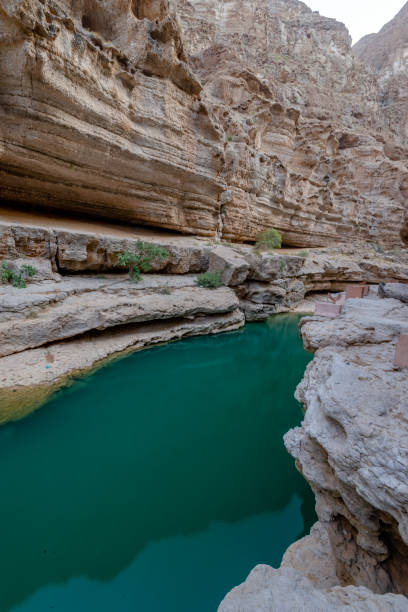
x=100, y=114
x=199, y=116
x=387, y=54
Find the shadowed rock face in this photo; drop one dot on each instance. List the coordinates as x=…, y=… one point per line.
x=102, y=113
x=99, y=114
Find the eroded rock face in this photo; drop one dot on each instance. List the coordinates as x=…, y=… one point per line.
x=100, y=114
x=305, y=145
x=352, y=445
x=387, y=54
x=269, y=590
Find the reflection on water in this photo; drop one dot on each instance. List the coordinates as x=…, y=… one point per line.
x=158, y=482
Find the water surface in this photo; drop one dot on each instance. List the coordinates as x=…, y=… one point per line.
x=157, y=483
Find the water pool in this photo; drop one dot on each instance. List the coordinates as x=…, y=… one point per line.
x=158, y=482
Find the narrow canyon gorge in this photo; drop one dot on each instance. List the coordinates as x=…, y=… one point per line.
x=195, y=129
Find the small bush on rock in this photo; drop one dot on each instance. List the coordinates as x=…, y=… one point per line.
x=141, y=259
x=17, y=277
x=268, y=240
x=209, y=280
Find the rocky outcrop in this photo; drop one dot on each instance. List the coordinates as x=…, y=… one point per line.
x=30, y=377
x=53, y=311
x=286, y=590
x=397, y=291
x=352, y=449
x=80, y=300
x=351, y=446
x=306, y=148
x=102, y=113
x=266, y=283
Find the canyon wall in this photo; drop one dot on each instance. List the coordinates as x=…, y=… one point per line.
x=100, y=114
x=206, y=117
x=305, y=148
x=387, y=55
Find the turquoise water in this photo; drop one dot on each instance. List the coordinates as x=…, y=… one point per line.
x=157, y=483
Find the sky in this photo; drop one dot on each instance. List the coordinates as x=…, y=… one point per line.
x=360, y=16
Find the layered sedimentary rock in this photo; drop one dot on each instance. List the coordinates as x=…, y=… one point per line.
x=306, y=149
x=83, y=308
x=387, y=54
x=100, y=114
x=118, y=317
x=352, y=445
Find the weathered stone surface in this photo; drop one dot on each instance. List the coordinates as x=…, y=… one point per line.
x=266, y=267
x=52, y=312
x=286, y=590
x=232, y=266
x=386, y=53
x=312, y=556
x=394, y=290
x=28, y=378
x=94, y=247
x=100, y=114
x=363, y=322
x=265, y=283
x=352, y=445
x=43, y=269
x=306, y=149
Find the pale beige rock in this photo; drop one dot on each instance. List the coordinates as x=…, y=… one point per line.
x=28, y=378
x=230, y=264
x=394, y=290
x=286, y=590
x=306, y=147
x=312, y=556
x=100, y=114
x=38, y=317
x=93, y=247
x=386, y=53
x=352, y=445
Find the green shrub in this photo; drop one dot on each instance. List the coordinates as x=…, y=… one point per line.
x=18, y=277
x=303, y=253
x=141, y=259
x=209, y=280
x=28, y=271
x=268, y=240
